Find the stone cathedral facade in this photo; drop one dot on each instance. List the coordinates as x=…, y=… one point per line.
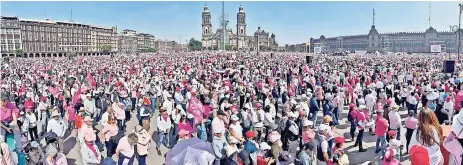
x=261, y=40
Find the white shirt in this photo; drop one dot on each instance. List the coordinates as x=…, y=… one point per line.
x=57, y=126
x=163, y=125
x=370, y=100
x=169, y=105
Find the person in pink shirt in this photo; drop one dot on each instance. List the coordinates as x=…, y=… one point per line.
x=120, y=114
x=125, y=149
x=87, y=130
x=410, y=124
x=110, y=129
x=381, y=127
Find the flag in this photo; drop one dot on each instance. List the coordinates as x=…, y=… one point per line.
x=89, y=78
x=53, y=91
x=107, y=79
x=76, y=96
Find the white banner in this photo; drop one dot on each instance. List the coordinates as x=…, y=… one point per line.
x=317, y=50
x=436, y=48
x=361, y=52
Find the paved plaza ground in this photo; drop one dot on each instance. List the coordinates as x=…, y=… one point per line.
x=153, y=158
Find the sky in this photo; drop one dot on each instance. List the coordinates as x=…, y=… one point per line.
x=291, y=22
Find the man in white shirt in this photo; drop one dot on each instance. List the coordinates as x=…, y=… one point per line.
x=168, y=104
x=58, y=126
x=370, y=101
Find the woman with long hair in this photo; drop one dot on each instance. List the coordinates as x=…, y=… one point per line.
x=110, y=129
x=429, y=135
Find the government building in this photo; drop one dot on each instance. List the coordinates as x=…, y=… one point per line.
x=408, y=42
x=260, y=41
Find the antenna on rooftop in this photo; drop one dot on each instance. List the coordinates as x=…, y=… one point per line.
x=71, y=16
x=429, y=17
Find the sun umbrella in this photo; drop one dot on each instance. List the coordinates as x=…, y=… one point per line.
x=191, y=152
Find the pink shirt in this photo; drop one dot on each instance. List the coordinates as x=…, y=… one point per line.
x=109, y=130
x=87, y=130
x=411, y=123
x=118, y=111
x=125, y=148
x=381, y=127
x=6, y=113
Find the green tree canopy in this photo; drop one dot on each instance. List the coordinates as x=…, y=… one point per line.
x=228, y=47
x=106, y=47
x=194, y=45
x=19, y=52
x=148, y=50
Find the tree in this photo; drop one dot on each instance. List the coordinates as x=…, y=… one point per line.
x=19, y=52
x=106, y=48
x=228, y=47
x=194, y=45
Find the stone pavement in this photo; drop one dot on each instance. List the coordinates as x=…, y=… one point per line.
x=153, y=158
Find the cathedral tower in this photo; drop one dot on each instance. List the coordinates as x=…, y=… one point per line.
x=241, y=28
x=207, y=27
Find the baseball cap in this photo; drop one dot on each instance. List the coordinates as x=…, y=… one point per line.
x=419, y=155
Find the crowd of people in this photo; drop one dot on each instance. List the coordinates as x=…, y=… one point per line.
x=253, y=109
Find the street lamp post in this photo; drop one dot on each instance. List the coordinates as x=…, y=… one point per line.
x=459, y=29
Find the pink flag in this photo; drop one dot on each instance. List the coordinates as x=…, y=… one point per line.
x=195, y=108
x=76, y=96
x=53, y=91
x=89, y=78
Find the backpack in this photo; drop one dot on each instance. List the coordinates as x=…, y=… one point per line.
x=116, y=138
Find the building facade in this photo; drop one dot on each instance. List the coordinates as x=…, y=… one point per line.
x=10, y=35
x=413, y=42
x=145, y=41
x=47, y=38
x=236, y=41
x=128, y=41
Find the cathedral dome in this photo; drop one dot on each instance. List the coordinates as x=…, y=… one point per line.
x=241, y=9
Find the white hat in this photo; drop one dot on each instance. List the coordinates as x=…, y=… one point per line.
x=307, y=123
x=234, y=117
x=457, y=125
x=264, y=146
x=324, y=127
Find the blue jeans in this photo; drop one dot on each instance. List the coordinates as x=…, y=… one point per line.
x=336, y=113
x=109, y=148
x=173, y=135
x=398, y=133
x=381, y=140
x=330, y=147
x=120, y=125
x=153, y=104
x=122, y=157
x=142, y=159
x=161, y=137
